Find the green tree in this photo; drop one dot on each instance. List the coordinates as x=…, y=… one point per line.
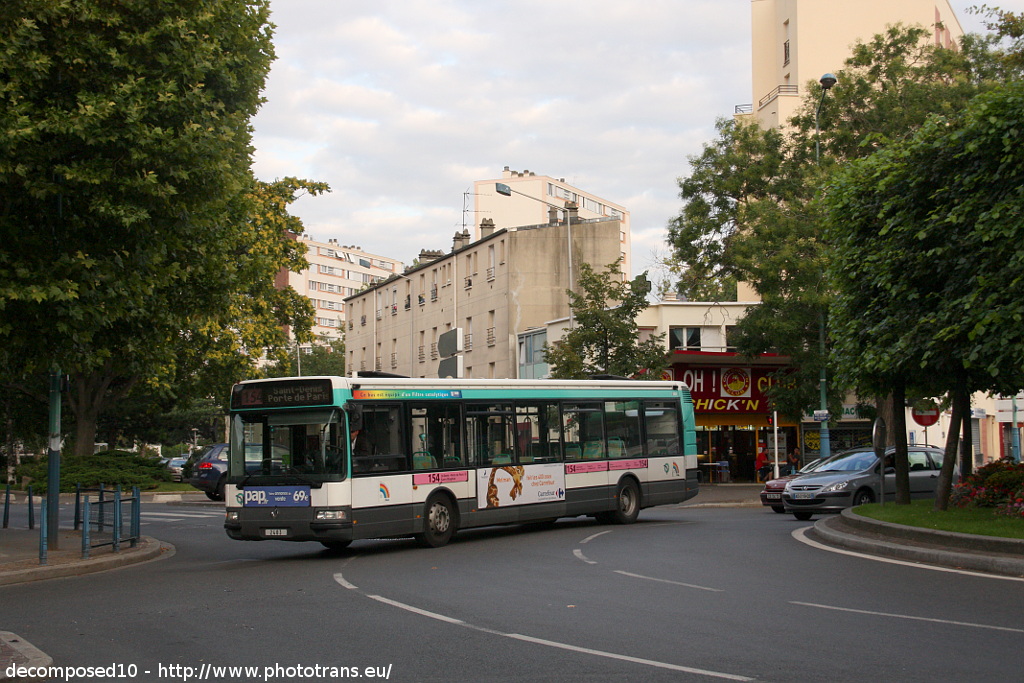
x=134, y=233
x=605, y=337
x=929, y=265
x=323, y=358
x=750, y=209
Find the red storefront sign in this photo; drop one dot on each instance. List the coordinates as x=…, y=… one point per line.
x=735, y=389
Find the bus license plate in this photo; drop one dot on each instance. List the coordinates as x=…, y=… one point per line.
x=275, y=532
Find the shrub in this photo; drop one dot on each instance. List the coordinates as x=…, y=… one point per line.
x=107, y=467
x=993, y=485
x=1014, y=506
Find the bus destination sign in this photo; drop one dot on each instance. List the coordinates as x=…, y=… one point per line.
x=283, y=394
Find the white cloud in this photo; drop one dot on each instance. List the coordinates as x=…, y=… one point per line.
x=401, y=104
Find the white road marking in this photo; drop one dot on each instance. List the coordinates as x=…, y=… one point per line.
x=541, y=641
x=907, y=616
x=580, y=556
x=177, y=515
x=593, y=536
x=674, y=583
x=801, y=535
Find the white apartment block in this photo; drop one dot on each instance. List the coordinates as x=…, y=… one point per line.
x=336, y=271
x=536, y=196
x=796, y=41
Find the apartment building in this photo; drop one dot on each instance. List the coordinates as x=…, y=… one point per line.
x=490, y=289
x=797, y=41
x=335, y=271
x=535, y=196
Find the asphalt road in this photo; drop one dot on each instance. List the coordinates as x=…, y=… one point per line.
x=684, y=595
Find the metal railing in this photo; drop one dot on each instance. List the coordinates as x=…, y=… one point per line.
x=780, y=90
x=108, y=513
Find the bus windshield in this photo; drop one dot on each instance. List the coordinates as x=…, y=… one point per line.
x=283, y=446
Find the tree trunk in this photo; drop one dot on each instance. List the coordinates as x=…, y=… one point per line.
x=90, y=395
x=961, y=406
x=967, y=445
x=899, y=431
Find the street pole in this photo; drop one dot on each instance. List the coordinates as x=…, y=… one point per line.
x=53, y=469
x=1015, y=436
x=825, y=447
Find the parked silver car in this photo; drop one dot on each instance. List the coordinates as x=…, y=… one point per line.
x=174, y=466
x=851, y=478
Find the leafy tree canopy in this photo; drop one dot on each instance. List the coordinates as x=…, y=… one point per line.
x=605, y=338
x=137, y=242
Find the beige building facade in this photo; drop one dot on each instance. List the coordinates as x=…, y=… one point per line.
x=335, y=271
x=489, y=289
x=535, y=196
x=796, y=41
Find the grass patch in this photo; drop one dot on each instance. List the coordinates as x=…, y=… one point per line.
x=920, y=513
x=173, y=487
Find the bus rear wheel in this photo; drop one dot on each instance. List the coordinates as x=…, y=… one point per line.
x=439, y=522
x=627, y=505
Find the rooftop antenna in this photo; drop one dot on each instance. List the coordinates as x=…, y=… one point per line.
x=465, y=206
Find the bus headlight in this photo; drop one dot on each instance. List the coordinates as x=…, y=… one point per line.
x=231, y=516
x=332, y=515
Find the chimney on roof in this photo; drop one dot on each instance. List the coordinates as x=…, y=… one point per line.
x=460, y=240
x=487, y=227
x=428, y=255
x=572, y=209
x=552, y=215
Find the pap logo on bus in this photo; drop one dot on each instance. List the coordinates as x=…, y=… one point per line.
x=735, y=382
x=255, y=497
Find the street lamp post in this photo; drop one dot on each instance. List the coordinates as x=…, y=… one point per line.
x=825, y=447
x=507, y=191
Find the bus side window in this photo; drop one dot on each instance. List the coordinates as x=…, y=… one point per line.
x=661, y=429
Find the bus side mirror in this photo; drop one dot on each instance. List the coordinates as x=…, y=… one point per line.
x=355, y=416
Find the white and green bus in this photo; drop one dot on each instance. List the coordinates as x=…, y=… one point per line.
x=335, y=459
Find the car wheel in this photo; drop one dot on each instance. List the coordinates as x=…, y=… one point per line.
x=779, y=508
x=440, y=522
x=863, y=497
x=212, y=495
x=803, y=515
x=220, y=487
x=335, y=545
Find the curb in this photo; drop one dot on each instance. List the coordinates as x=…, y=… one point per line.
x=18, y=653
x=149, y=549
x=942, y=548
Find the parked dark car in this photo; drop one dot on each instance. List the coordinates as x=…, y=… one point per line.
x=771, y=494
x=852, y=478
x=210, y=469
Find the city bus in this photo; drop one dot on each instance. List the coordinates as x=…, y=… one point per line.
x=336, y=459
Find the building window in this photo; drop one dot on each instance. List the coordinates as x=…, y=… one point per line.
x=687, y=338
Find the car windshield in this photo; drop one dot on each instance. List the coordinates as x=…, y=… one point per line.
x=810, y=467
x=856, y=461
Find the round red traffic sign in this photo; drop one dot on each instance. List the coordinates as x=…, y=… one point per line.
x=925, y=416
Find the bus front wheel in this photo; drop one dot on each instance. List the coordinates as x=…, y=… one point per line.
x=439, y=523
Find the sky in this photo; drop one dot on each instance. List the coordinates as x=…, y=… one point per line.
x=399, y=105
